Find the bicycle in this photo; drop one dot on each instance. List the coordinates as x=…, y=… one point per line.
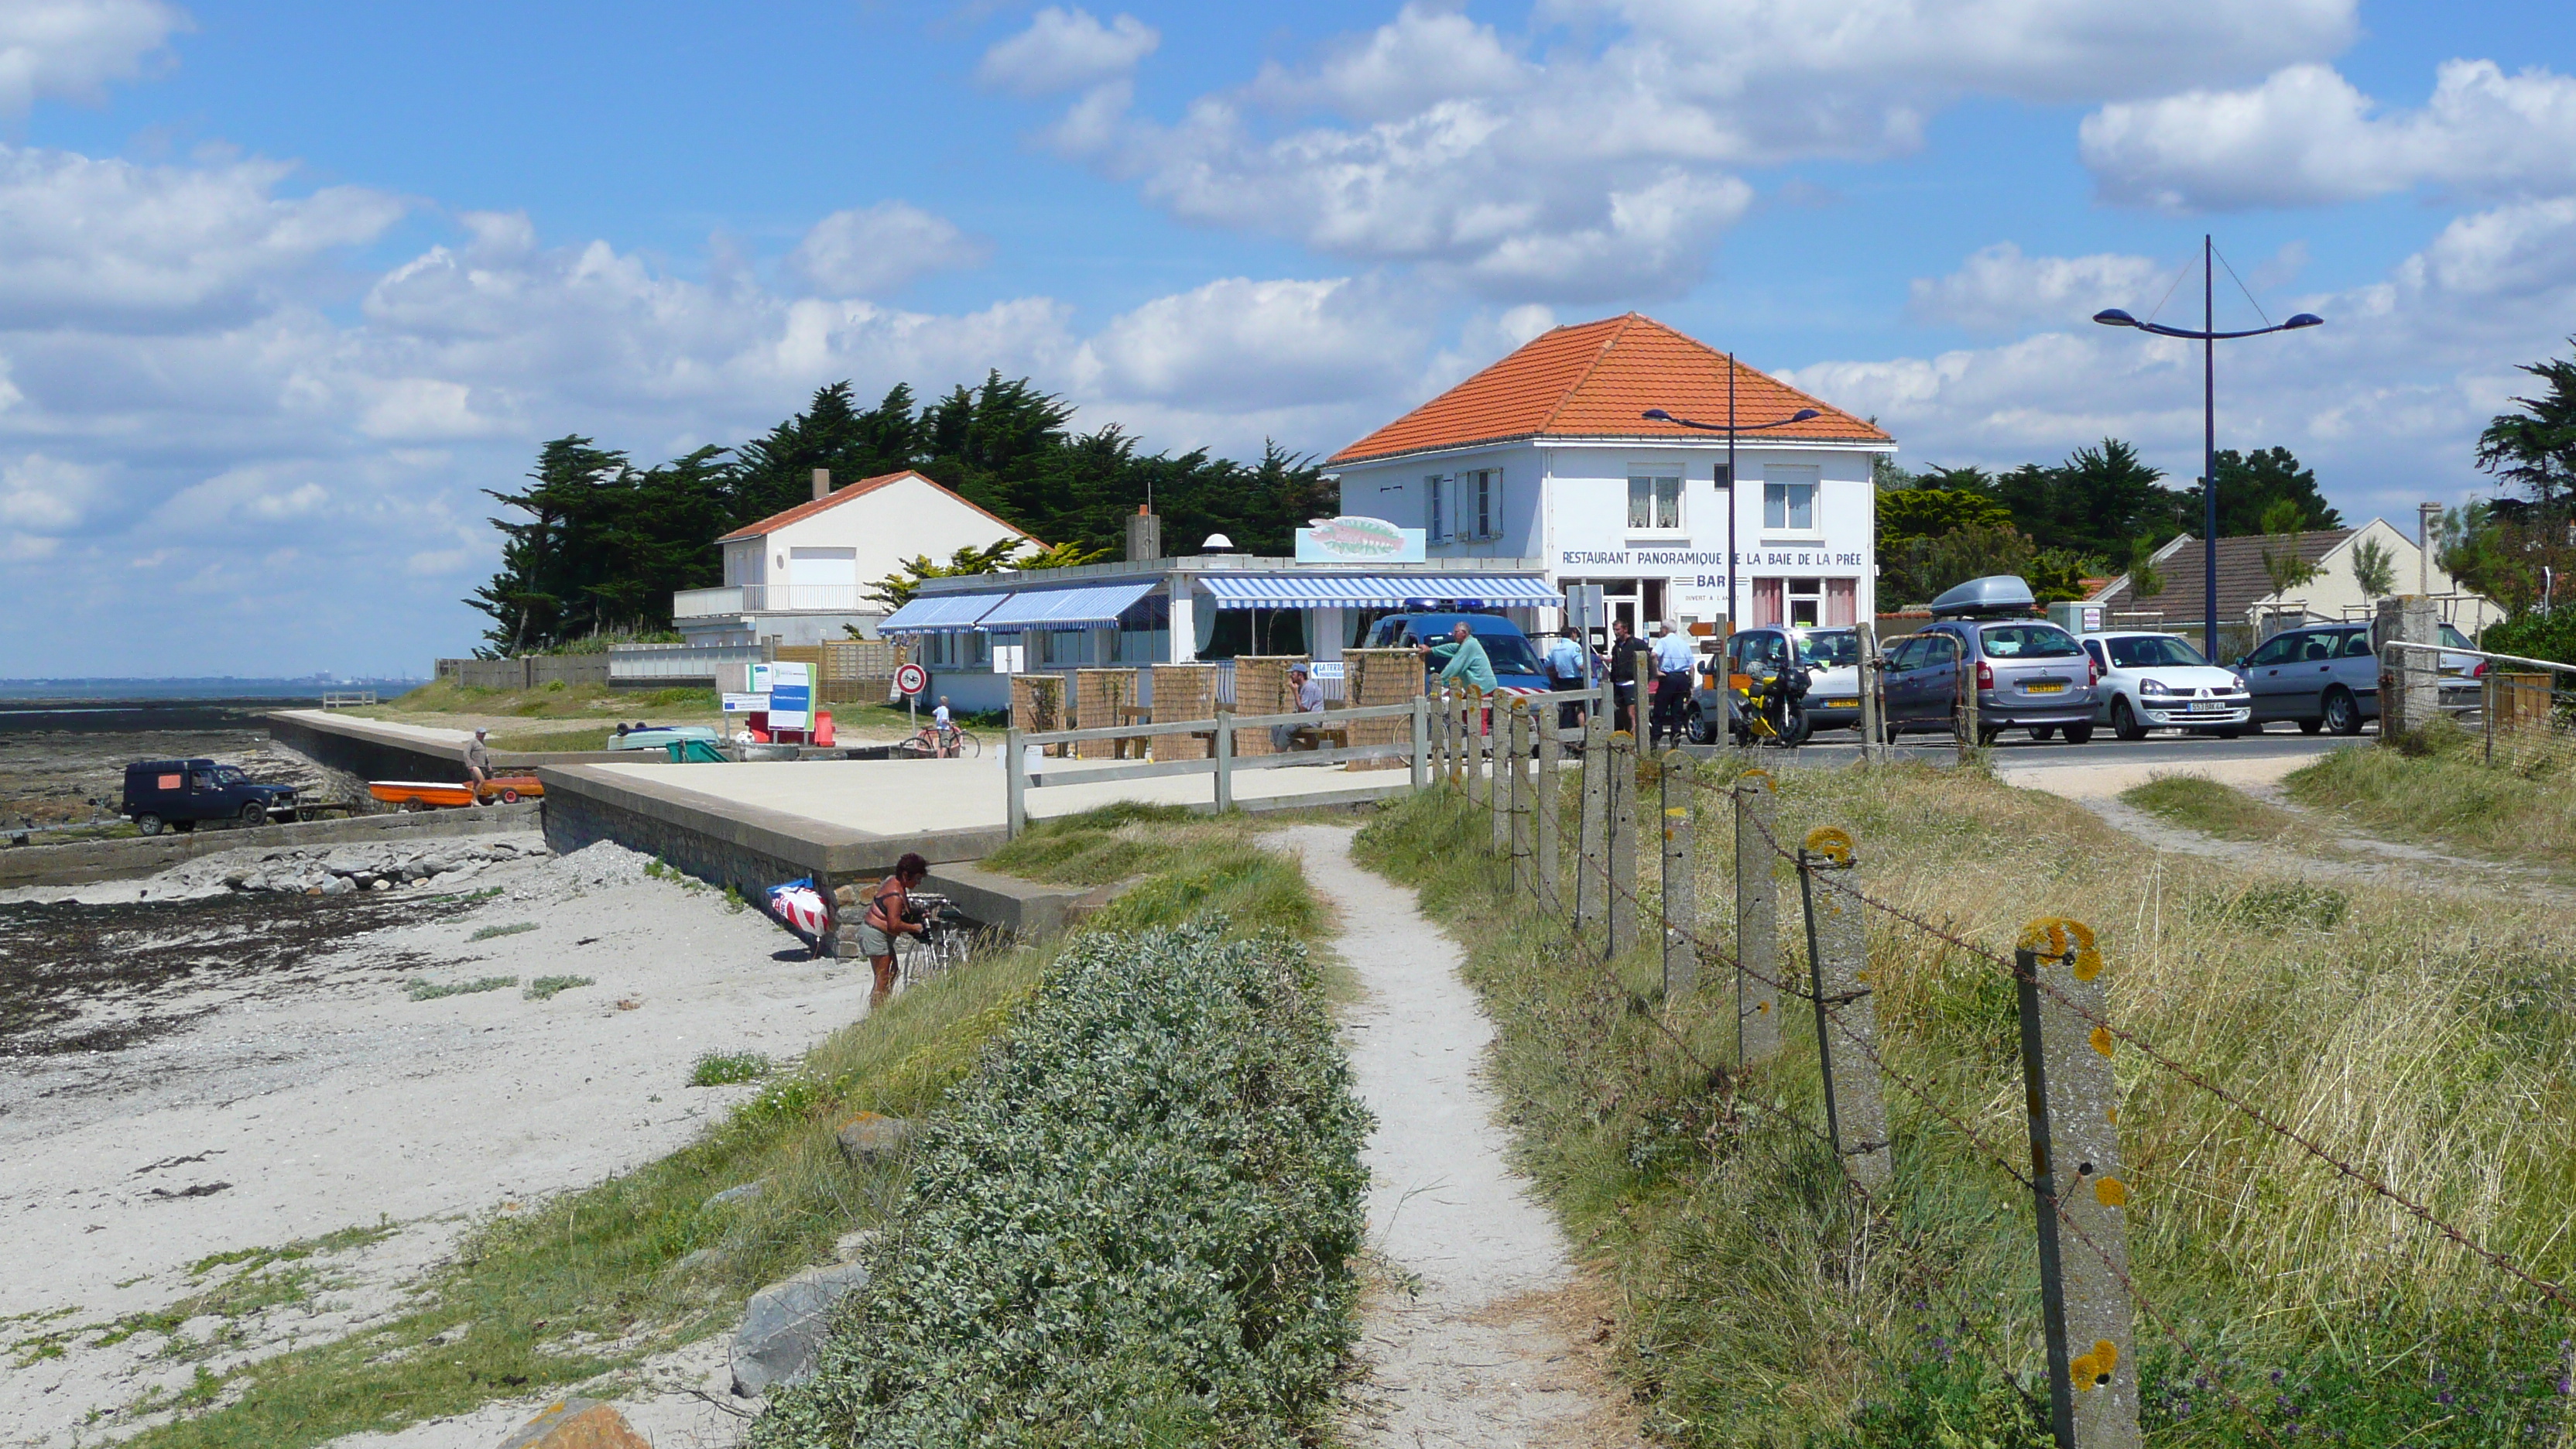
x=945, y=940
x=933, y=743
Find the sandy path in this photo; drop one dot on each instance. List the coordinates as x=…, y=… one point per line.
x=323, y=1097
x=1479, y=1353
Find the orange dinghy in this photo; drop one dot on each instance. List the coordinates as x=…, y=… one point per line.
x=444, y=795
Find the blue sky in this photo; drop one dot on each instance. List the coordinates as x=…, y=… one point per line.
x=284, y=286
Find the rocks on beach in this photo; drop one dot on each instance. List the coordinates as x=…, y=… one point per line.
x=338, y=870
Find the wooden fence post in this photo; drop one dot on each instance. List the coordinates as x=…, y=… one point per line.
x=1421, y=741
x=1498, y=785
x=1757, y=921
x=1440, y=738
x=1543, y=821
x=1681, y=910
x=1224, y=760
x=2075, y=1156
x=1015, y=763
x=1592, y=832
x=1479, y=789
x=1846, y=1020
x=1524, y=854
x=1622, y=822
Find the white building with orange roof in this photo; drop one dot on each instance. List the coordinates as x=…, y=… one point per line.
x=1547, y=455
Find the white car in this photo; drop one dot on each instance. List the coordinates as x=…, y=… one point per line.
x=2152, y=681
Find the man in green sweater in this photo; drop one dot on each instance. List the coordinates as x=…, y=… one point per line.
x=1462, y=660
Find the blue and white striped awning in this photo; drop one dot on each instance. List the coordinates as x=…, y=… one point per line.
x=1375, y=591
x=940, y=613
x=1063, y=608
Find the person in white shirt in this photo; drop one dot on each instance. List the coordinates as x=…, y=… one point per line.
x=1672, y=684
x=943, y=734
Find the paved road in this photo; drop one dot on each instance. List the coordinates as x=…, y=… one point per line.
x=2018, y=751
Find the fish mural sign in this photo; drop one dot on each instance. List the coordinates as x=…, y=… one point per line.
x=1354, y=539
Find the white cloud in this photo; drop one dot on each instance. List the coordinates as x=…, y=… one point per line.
x=876, y=249
x=1255, y=345
x=71, y=49
x=1608, y=168
x=2306, y=137
x=2000, y=290
x=2385, y=400
x=1065, y=50
x=42, y=495
x=114, y=244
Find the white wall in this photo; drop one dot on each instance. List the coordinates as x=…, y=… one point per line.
x=886, y=527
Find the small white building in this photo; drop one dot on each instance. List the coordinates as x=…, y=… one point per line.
x=2250, y=608
x=799, y=576
x=1545, y=455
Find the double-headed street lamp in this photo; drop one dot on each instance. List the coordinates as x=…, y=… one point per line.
x=2208, y=337
x=1730, y=428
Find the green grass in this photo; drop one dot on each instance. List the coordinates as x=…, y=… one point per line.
x=2211, y=808
x=2440, y=790
x=1765, y=1305
x=545, y=988
x=423, y=989
x=513, y=928
x=724, y=1069
x=542, y=742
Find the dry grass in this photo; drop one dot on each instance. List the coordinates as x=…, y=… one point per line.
x=2442, y=789
x=2207, y=806
x=2425, y=1041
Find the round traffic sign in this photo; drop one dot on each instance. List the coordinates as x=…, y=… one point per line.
x=911, y=679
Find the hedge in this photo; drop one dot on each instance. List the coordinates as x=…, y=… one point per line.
x=1132, y=1225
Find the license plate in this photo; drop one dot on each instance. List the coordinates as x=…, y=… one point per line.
x=2047, y=687
x=2207, y=708
x=1842, y=704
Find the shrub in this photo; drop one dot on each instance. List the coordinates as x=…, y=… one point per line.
x=723, y=1069
x=546, y=986
x=423, y=989
x=1134, y=1225
x=512, y=929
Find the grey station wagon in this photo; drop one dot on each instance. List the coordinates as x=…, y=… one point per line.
x=2028, y=673
x=2323, y=677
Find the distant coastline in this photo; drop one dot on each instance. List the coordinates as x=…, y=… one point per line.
x=119, y=706
x=216, y=687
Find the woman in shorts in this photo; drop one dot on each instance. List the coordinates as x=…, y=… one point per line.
x=891, y=914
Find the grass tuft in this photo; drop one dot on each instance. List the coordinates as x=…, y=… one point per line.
x=545, y=987
x=723, y=1069
x=514, y=928
x=2211, y=808
x=423, y=989
x=2438, y=789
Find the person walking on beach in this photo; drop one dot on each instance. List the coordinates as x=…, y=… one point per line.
x=891, y=914
x=478, y=765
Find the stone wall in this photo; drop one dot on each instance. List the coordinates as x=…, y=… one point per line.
x=1183, y=692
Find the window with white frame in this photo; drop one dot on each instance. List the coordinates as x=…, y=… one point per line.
x=1789, y=498
x=1654, y=502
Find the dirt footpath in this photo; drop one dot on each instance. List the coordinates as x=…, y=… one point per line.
x=1481, y=1331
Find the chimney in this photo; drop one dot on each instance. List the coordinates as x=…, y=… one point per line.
x=1144, y=536
x=822, y=484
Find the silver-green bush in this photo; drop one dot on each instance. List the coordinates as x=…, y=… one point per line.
x=1132, y=1226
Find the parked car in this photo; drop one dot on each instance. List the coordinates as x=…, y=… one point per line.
x=2322, y=677
x=2027, y=672
x=1828, y=658
x=1515, y=660
x=2150, y=681
x=180, y=793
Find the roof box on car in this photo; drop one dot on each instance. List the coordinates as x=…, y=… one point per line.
x=1989, y=597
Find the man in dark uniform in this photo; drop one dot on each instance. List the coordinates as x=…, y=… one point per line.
x=1632, y=661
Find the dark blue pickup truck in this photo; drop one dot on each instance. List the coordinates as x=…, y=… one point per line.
x=179, y=793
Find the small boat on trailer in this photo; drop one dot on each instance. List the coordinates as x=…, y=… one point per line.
x=411, y=795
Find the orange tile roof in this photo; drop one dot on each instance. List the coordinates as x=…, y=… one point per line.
x=863, y=487
x=1591, y=381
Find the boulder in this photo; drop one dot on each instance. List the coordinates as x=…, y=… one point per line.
x=869, y=1137
x=577, y=1424
x=783, y=1327
x=339, y=885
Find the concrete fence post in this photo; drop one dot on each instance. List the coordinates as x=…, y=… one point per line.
x=1479, y=789
x=1421, y=741
x=2075, y=1160
x=1681, y=909
x=1444, y=739
x=1592, y=833
x=1499, y=784
x=1543, y=819
x=1872, y=708
x=1757, y=921
x=1846, y=1019
x=1622, y=821
x=1224, y=760
x=1524, y=852
x=1458, y=737
x=2410, y=680
x=1015, y=766
x=1964, y=714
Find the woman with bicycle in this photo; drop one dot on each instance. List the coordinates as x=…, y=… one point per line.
x=891, y=913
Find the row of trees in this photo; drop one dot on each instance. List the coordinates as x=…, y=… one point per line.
x=2101, y=511
x=595, y=545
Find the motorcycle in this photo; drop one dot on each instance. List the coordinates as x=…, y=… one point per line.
x=1768, y=708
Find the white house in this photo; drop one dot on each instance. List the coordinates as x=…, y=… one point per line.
x=800, y=575
x=1545, y=455
x=2248, y=602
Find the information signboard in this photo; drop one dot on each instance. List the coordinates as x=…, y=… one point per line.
x=791, y=696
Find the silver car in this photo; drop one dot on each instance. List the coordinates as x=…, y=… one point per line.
x=2322, y=677
x=2151, y=681
x=2027, y=672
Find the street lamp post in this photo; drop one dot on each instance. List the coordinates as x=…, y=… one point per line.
x=2208, y=337
x=1730, y=429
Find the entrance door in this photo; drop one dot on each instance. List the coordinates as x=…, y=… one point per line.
x=823, y=578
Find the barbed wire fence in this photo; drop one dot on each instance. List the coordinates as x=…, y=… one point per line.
x=2069, y=1038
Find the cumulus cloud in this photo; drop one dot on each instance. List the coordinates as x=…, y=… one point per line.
x=115, y=244
x=1066, y=50
x=71, y=49
x=2306, y=136
x=1241, y=343
x=42, y=495
x=1606, y=165
x=1999, y=289
x=876, y=249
